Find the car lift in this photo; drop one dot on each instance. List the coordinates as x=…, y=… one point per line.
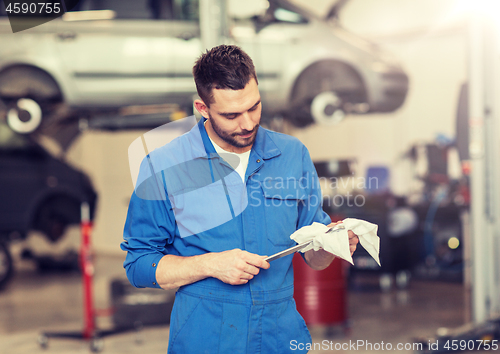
x=90, y=332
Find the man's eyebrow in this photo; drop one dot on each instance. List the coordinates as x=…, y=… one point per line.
x=231, y=113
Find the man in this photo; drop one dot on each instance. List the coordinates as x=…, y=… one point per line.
x=230, y=299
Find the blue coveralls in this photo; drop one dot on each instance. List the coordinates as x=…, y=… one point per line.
x=281, y=193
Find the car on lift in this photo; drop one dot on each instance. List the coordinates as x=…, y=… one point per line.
x=37, y=192
x=106, y=54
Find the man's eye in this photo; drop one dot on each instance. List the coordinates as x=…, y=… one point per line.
x=231, y=116
x=254, y=108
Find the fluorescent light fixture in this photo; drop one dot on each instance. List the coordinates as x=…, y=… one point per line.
x=89, y=15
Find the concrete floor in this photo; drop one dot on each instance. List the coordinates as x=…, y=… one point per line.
x=35, y=302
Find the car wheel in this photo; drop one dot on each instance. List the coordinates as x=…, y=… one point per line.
x=25, y=116
x=30, y=95
x=322, y=92
x=55, y=214
x=326, y=108
x=6, y=265
x=317, y=101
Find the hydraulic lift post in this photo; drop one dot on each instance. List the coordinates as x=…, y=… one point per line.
x=485, y=156
x=213, y=23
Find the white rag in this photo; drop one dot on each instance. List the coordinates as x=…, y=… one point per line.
x=338, y=241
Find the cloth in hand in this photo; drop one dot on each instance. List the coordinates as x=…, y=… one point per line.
x=337, y=242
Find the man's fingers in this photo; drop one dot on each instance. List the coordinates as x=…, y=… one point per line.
x=334, y=223
x=353, y=238
x=252, y=264
x=256, y=260
x=237, y=266
x=251, y=270
x=247, y=276
x=260, y=263
x=353, y=241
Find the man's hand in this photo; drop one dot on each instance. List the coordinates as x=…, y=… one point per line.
x=353, y=241
x=321, y=259
x=353, y=238
x=235, y=267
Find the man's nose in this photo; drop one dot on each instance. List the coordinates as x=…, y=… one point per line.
x=246, y=122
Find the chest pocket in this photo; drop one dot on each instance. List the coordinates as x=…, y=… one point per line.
x=281, y=199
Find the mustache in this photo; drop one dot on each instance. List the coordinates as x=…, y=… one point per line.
x=246, y=132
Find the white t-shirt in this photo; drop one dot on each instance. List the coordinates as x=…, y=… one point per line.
x=237, y=161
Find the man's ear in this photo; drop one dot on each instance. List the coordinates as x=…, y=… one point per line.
x=201, y=107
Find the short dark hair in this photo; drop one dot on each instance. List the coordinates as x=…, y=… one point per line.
x=222, y=67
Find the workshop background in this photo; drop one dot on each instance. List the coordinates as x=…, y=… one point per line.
x=417, y=151
x=428, y=42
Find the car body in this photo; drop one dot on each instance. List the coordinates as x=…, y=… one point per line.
x=132, y=53
x=37, y=192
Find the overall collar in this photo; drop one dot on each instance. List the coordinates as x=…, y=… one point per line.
x=209, y=148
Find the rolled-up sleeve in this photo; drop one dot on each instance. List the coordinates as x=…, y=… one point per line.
x=149, y=227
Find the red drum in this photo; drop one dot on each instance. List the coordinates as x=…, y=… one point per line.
x=321, y=296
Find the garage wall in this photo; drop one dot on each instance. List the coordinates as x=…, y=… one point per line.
x=104, y=156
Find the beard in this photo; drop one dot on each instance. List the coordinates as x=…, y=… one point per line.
x=235, y=139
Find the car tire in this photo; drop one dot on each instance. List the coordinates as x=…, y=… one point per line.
x=316, y=101
x=326, y=108
x=322, y=91
x=55, y=214
x=6, y=265
x=24, y=116
x=30, y=95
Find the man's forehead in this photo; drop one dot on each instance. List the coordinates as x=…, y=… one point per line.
x=227, y=100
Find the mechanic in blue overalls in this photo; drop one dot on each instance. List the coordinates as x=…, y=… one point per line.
x=208, y=208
